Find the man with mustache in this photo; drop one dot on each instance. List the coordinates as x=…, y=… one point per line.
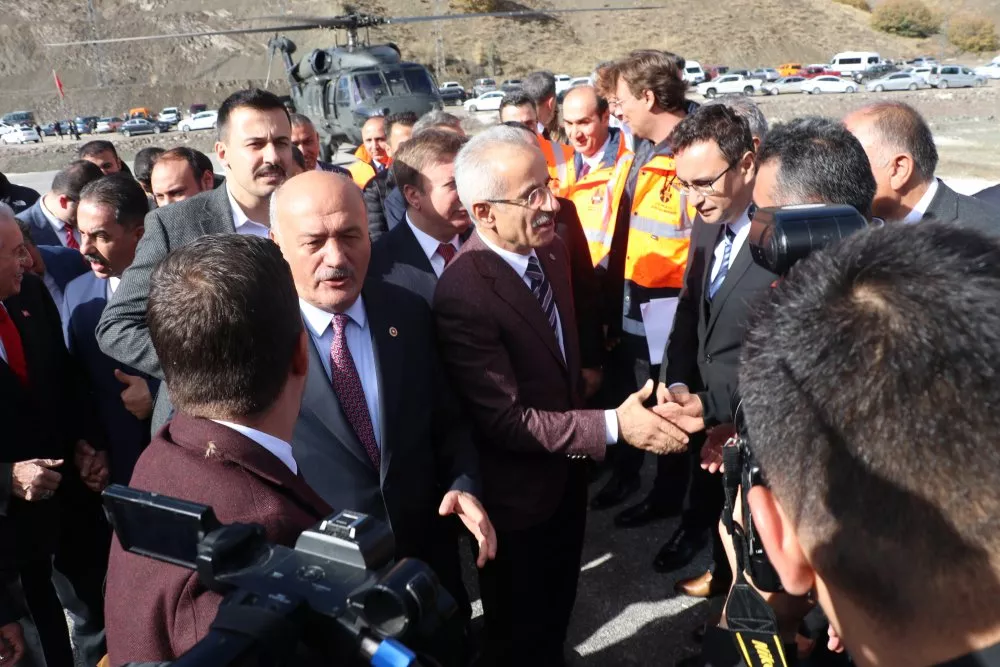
x=379, y=430
x=254, y=145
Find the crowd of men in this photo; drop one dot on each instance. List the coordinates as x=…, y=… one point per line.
x=452, y=333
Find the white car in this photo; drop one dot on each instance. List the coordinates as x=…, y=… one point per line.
x=991, y=71
x=563, y=82
x=828, y=84
x=170, y=115
x=694, y=73
x=205, y=120
x=5, y=128
x=485, y=102
x=729, y=83
x=21, y=134
x=897, y=81
x=786, y=84
x=923, y=71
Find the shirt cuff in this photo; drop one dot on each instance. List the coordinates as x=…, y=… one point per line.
x=611, y=427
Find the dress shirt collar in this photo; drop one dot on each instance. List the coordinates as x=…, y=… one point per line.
x=319, y=320
x=428, y=243
x=50, y=216
x=281, y=449
x=742, y=224
x=595, y=160
x=113, y=284
x=517, y=262
x=240, y=218
x=920, y=210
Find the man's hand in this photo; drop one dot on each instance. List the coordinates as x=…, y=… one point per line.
x=94, y=469
x=685, y=410
x=468, y=508
x=592, y=378
x=33, y=480
x=641, y=428
x=834, y=643
x=711, y=452
x=135, y=396
x=665, y=394
x=12, y=637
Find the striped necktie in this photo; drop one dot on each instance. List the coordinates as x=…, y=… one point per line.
x=727, y=251
x=542, y=290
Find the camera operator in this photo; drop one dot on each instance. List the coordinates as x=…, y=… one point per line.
x=869, y=384
x=223, y=317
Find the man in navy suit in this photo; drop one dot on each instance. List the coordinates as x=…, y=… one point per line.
x=53, y=216
x=55, y=265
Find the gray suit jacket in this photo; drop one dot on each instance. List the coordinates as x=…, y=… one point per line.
x=950, y=206
x=990, y=195
x=122, y=332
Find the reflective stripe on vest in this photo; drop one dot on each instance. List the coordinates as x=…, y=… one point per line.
x=559, y=159
x=589, y=195
x=361, y=172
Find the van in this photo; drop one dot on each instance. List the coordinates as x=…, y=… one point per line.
x=140, y=112
x=850, y=62
x=693, y=72
x=789, y=69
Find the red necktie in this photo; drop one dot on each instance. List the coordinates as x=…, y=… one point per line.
x=585, y=170
x=70, y=239
x=447, y=251
x=350, y=393
x=12, y=346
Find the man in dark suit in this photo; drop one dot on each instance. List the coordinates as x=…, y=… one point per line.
x=306, y=139
x=18, y=197
x=46, y=418
x=380, y=430
x=990, y=195
x=228, y=445
x=384, y=201
x=903, y=157
x=255, y=147
x=504, y=311
x=53, y=216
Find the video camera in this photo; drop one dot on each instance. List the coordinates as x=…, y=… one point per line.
x=778, y=238
x=335, y=599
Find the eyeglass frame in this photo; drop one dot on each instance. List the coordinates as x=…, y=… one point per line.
x=526, y=201
x=687, y=188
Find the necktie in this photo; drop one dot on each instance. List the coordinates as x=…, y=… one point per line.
x=12, y=346
x=347, y=386
x=727, y=251
x=585, y=170
x=70, y=239
x=542, y=290
x=447, y=251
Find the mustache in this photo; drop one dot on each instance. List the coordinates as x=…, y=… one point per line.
x=95, y=258
x=334, y=273
x=269, y=170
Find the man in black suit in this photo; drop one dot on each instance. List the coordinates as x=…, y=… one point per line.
x=903, y=157
x=380, y=430
x=383, y=199
x=255, y=147
x=43, y=500
x=53, y=216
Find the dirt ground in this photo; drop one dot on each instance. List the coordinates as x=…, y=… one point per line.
x=966, y=124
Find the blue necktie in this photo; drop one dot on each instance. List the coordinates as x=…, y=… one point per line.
x=542, y=290
x=720, y=277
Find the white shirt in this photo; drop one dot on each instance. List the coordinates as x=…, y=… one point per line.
x=359, y=343
x=595, y=160
x=741, y=228
x=243, y=224
x=276, y=446
x=429, y=245
x=520, y=265
x=58, y=225
x=918, y=211
x=113, y=284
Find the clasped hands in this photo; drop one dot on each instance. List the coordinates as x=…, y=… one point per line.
x=38, y=479
x=664, y=428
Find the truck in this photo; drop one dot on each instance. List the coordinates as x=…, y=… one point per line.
x=729, y=84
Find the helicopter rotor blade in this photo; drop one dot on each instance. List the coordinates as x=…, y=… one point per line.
x=206, y=33
x=516, y=13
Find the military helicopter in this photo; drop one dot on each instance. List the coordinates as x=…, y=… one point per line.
x=340, y=87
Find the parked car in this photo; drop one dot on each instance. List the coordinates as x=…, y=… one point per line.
x=20, y=134
x=486, y=102
x=789, y=69
x=563, y=83
x=730, y=83
x=765, y=74
x=954, y=76
x=923, y=71
x=105, y=125
x=990, y=71
x=85, y=124
x=829, y=84
x=483, y=86
x=452, y=92
x=922, y=61
x=170, y=115
x=874, y=72
x=897, y=81
x=135, y=126
x=786, y=84
x=813, y=71
x=510, y=85
x=693, y=73
x=49, y=130
x=205, y=120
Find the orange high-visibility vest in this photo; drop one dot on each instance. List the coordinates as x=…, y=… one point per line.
x=589, y=194
x=559, y=158
x=361, y=172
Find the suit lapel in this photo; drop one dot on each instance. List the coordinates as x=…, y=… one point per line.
x=389, y=358
x=739, y=266
x=218, y=214
x=944, y=205
x=412, y=253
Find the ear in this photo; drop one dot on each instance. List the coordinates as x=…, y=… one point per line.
x=411, y=196
x=139, y=231
x=220, y=151
x=481, y=212
x=649, y=99
x=780, y=541
x=900, y=171
x=748, y=164
x=207, y=180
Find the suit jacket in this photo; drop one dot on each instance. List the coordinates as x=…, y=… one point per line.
x=85, y=300
x=155, y=611
x=990, y=195
x=385, y=204
x=524, y=397
x=41, y=230
x=950, y=206
x=122, y=332
x=703, y=350
x=63, y=264
x=42, y=420
x=426, y=442
x=398, y=259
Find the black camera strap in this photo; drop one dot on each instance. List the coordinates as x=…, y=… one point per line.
x=732, y=461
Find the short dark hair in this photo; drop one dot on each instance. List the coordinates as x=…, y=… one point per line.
x=539, y=85
x=224, y=319
x=96, y=147
x=516, y=98
x=72, y=178
x=423, y=149
x=659, y=72
x=714, y=123
x=123, y=194
x=189, y=155
x=253, y=98
x=819, y=161
x=859, y=376
x=403, y=119
x=142, y=166
x=204, y=163
x=899, y=127
x=519, y=125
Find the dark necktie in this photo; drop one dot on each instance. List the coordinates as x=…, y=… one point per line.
x=720, y=277
x=542, y=290
x=350, y=393
x=12, y=346
x=447, y=252
x=71, y=241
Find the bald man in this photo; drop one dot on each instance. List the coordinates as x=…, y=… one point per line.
x=373, y=154
x=380, y=430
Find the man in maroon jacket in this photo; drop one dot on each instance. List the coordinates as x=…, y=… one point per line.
x=224, y=320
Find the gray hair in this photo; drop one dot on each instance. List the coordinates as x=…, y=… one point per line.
x=6, y=212
x=746, y=109
x=899, y=128
x=475, y=175
x=437, y=118
x=301, y=120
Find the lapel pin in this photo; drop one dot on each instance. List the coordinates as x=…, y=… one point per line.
x=393, y=331
x=552, y=256
x=25, y=313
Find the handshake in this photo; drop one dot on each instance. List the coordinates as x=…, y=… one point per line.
x=664, y=428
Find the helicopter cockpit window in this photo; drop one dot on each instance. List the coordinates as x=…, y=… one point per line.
x=343, y=96
x=419, y=81
x=396, y=81
x=370, y=85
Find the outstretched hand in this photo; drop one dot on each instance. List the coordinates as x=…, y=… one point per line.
x=472, y=513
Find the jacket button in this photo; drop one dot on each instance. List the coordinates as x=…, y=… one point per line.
x=708, y=358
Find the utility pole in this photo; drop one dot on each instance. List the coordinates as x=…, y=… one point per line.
x=438, y=43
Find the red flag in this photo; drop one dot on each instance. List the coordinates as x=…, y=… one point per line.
x=59, y=85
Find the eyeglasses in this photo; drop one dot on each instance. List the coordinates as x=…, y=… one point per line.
x=703, y=188
x=537, y=198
